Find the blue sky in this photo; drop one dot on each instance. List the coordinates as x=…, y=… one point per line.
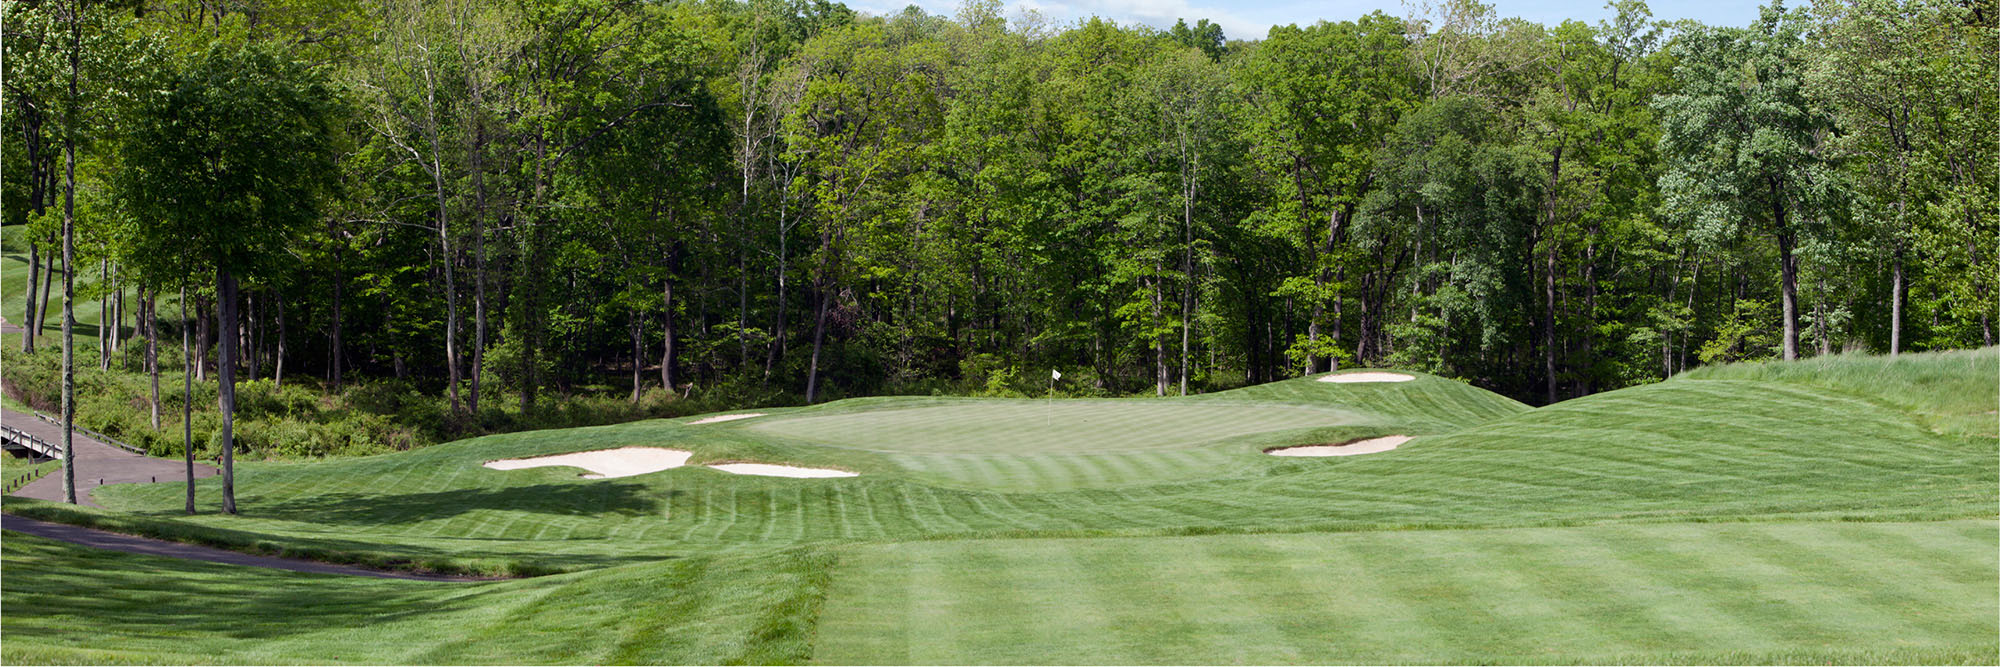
x=1252, y=19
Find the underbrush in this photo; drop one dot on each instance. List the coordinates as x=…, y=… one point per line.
x=305, y=418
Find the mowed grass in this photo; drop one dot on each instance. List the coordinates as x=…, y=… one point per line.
x=1772, y=592
x=1777, y=514
x=1679, y=450
x=76, y=605
x=1005, y=427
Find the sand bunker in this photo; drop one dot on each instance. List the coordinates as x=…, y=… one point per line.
x=605, y=463
x=1369, y=446
x=1369, y=376
x=771, y=470
x=725, y=418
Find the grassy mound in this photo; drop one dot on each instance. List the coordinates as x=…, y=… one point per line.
x=1706, y=518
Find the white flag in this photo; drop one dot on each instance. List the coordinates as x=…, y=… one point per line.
x=1055, y=374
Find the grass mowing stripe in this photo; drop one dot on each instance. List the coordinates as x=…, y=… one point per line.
x=1802, y=592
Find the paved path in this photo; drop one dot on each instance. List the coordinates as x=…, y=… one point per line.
x=95, y=461
x=7, y=327
x=91, y=537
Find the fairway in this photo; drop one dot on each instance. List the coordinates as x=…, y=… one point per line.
x=1778, y=592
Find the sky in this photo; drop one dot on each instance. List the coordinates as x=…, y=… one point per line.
x=1250, y=20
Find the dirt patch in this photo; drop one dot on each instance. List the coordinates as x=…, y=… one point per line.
x=725, y=418
x=1367, y=376
x=1368, y=446
x=774, y=470
x=605, y=463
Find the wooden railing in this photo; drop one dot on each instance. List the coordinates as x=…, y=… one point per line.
x=100, y=437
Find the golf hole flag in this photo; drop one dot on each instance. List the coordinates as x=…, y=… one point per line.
x=1054, y=375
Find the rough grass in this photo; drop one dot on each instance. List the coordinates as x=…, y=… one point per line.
x=1630, y=526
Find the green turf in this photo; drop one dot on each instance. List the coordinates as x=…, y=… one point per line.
x=1677, y=450
x=1829, y=471
x=14, y=287
x=72, y=604
x=1590, y=594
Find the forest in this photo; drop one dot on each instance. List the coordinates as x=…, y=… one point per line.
x=499, y=208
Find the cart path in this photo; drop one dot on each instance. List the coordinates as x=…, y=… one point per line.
x=101, y=539
x=96, y=463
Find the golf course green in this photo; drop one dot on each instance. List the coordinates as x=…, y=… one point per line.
x=1840, y=510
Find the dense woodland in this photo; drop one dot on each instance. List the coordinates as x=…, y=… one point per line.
x=522, y=201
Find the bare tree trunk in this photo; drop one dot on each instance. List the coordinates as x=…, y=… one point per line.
x=48, y=283
x=253, y=333
x=819, y=339
x=278, y=363
x=1549, y=318
x=1159, y=345
x=30, y=323
x=118, y=318
x=151, y=320
x=1896, y=299
x=69, y=300
x=225, y=368
x=1789, y=265
x=478, y=253
x=667, y=337
x=333, y=369
x=103, y=314
x=450, y=299
x=638, y=330
x=187, y=400
x=202, y=339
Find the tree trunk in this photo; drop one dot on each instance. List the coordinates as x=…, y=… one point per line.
x=667, y=332
x=69, y=307
x=778, y=326
x=478, y=259
x=819, y=339
x=1789, y=269
x=1549, y=318
x=103, y=315
x=1896, y=299
x=187, y=400
x=1159, y=344
x=202, y=336
x=225, y=391
x=278, y=360
x=48, y=283
x=333, y=369
x=150, y=317
x=638, y=332
x=30, y=324
x=450, y=296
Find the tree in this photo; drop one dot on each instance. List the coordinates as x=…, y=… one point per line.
x=1327, y=97
x=231, y=163
x=1744, y=145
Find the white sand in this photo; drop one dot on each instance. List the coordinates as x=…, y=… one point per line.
x=1369, y=376
x=771, y=470
x=725, y=418
x=1369, y=446
x=605, y=463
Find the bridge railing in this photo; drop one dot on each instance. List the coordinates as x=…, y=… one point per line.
x=100, y=437
x=28, y=440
